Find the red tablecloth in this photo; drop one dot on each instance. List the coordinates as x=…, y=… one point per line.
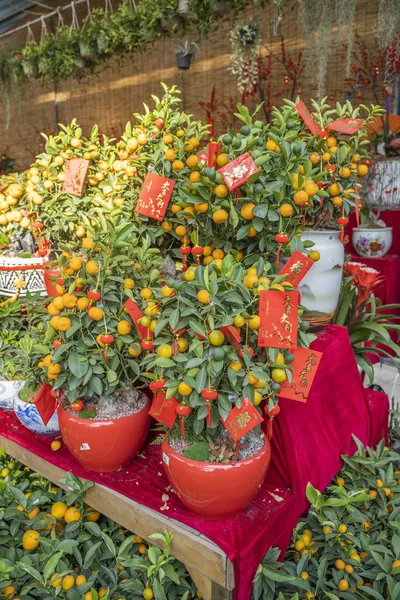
x=308, y=441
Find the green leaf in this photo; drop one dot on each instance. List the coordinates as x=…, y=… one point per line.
x=51, y=565
x=312, y=494
x=78, y=365
x=90, y=554
x=111, y=376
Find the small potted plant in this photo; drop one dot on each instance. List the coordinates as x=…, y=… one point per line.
x=184, y=54
x=372, y=239
x=10, y=373
x=12, y=362
x=103, y=419
x=206, y=368
x=32, y=346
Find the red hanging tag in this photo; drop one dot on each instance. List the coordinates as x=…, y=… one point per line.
x=46, y=402
x=296, y=267
x=238, y=171
x=135, y=313
x=154, y=196
x=278, y=312
x=242, y=420
x=214, y=149
x=305, y=366
x=75, y=175
x=348, y=126
x=232, y=335
x=163, y=409
x=309, y=120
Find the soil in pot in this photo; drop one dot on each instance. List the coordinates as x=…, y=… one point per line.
x=108, y=433
x=217, y=490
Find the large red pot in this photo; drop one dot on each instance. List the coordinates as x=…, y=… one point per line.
x=50, y=281
x=216, y=491
x=104, y=446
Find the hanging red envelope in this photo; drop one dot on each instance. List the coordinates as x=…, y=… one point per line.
x=75, y=175
x=163, y=409
x=242, y=420
x=154, y=196
x=296, y=267
x=278, y=319
x=135, y=314
x=348, y=126
x=238, y=171
x=213, y=150
x=46, y=402
x=232, y=335
x=305, y=366
x=309, y=119
x=203, y=156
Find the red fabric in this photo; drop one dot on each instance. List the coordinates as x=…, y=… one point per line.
x=308, y=441
x=379, y=406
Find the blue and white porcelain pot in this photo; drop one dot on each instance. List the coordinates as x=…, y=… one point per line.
x=8, y=391
x=28, y=415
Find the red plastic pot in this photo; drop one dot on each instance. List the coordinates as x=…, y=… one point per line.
x=216, y=491
x=50, y=281
x=104, y=446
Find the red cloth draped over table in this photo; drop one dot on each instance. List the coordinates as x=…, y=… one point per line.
x=308, y=441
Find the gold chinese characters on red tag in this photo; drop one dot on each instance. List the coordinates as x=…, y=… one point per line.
x=238, y=171
x=296, y=268
x=154, y=196
x=75, y=176
x=242, y=420
x=278, y=319
x=305, y=367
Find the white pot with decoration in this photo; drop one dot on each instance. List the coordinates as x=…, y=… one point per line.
x=320, y=288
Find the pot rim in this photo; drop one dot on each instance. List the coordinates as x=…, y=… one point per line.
x=321, y=231
x=198, y=463
x=372, y=229
x=105, y=421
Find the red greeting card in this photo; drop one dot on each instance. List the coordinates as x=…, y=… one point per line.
x=163, y=409
x=305, y=366
x=278, y=314
x=242, y=420
x=296, y=267
x=232, y=335
x=46, y=402
x=135, y=314
x=154, y=196
x=238, y=171
x=348, y=126
x=75, y=176
x=214, y=149
x=309, y=119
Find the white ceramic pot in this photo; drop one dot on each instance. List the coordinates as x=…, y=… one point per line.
x=320, y=288
x=372, y=243
x=28, y=270
x=8, y=391
x=28, y=415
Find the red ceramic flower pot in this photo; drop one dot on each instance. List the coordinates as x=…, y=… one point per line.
x=104, y=446
x=50, y=281
x=216, y=491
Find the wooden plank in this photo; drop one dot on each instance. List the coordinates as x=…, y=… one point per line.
x=189, y=546
x=203, y=583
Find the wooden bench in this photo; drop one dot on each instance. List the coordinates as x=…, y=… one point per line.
x=208, y=565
